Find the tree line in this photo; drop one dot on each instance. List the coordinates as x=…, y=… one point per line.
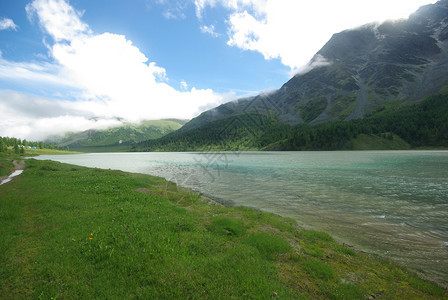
x=420, y=125
x=18, y=145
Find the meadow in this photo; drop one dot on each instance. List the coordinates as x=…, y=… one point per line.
x=74, y=232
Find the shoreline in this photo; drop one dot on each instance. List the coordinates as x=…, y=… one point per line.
x=116, y=222
x=307, y=225
x=207, y=198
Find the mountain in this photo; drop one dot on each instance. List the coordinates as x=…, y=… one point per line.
x=421, y=125
x=357, y=73
x=117, y=138
x=357, y=70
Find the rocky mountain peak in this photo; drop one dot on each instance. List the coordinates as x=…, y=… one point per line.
x=357, y=70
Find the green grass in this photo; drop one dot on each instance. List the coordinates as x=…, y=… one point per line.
x=35, y=152
x=378, y=142
x=74, y=232
x=101, y=149
x=268, y=245
x=227, y=226
x=6, y=165
x=347, y=291
x=313, y=250
x=318, y=269
x=4, y=169
x=7, y=158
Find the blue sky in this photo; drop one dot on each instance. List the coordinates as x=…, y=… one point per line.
x=80, y=64
x=172, y=38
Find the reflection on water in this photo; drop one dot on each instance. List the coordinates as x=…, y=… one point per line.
x=394, y=203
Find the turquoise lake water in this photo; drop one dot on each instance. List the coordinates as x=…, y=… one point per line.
x=392, y=203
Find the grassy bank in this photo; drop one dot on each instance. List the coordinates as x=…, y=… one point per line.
x=74, y=232
x=6, y=165
x=35, y=152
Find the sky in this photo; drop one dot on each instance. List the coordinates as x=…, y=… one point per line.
x=81, y=64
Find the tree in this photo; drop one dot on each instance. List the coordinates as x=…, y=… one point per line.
x=3, y=147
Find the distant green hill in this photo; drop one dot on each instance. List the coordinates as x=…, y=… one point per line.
x=117, y=138
x=403, y=127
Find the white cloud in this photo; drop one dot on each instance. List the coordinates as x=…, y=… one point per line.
x=316, y=62
x=58, y=18
x=35, y=118
x=293, y=31
x=111, y=76
x=257, y=6
x=43, y=73
x=209, y=30
x=113, y=72
x=183, y=85
x=6, y=24
x=201, y=5
x=245, y=32
x=174, y=10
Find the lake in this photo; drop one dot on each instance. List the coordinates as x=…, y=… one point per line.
x=392, y=203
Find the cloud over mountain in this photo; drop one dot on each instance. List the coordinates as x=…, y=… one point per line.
x=293, y=31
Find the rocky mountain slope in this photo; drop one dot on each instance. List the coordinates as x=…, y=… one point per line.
x=357, y=71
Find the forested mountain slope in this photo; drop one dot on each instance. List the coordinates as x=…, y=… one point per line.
x=364, y=81
x=356, y=71
x=411, y=126
x=117, y=138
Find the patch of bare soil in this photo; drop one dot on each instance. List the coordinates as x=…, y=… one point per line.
x=19, y=165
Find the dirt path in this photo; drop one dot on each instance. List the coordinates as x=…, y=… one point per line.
x=19, y=165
